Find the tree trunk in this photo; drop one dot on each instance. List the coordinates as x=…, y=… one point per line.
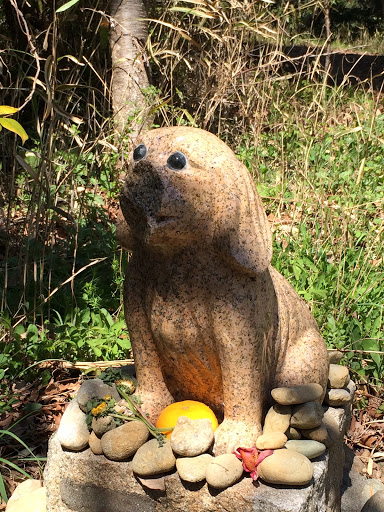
x=328, y=34
x=129, y=74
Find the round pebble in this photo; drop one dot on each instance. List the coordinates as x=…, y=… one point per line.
x=293, y=433
x=193, y=469
x=35, y=501
x=286, y=467
x=308, y=415
x=271, y=441
x=94, y=388
x=122, y=442
x=73, y=432
x=95, y=444
x=334, y=356
x=224, y=470
x=152, y=459
x=297, y=394
x=338, y=376
x=102, y=425
x=319, y=434
x=277, y=419
x=191, y=437
x=337, y=397
x=307, y=447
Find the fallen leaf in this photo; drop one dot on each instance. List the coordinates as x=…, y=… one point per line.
x=153, y=483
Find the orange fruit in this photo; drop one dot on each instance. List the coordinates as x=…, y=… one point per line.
x=190, y=408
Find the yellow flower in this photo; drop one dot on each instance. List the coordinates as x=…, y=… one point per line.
x=96, y=411
x=107, y=397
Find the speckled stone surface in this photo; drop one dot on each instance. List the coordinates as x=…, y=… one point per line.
x=85, y=482
x=209, y=318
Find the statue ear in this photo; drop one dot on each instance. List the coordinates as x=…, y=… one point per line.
x=123, y=232
x=242, y=228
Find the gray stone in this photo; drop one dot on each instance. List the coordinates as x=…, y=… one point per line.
x=319, y=434
x=335, y=356
x=277, y=419
x=153, y=459
x=337, y=397
x=73, y=432
x=122, y=442
x=95, y=444
x=293, y=433
x=297, y=394
x=224, y=471
x=84, y=482
x=191, y=437
x=308, y=415
x=338, y=376
x=193, y=469
x=286, y=467
x=271, y=441
x=371, y=486
x=102, y=425
x=307, y=447
x=95, y=388
x=375, y=503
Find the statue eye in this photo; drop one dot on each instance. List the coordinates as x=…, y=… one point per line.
x=177, y=161
x=139, y=153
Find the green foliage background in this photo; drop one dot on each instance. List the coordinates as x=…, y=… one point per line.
x=313, y=144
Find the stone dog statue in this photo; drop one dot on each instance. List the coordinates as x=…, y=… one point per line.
x=209, y=318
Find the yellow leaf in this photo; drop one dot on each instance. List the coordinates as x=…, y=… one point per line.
x=5, y=109
x=14, y=126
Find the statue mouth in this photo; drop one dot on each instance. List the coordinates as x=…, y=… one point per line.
x=161, y=220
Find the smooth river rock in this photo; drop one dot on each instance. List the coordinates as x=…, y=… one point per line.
x=337, y=397
x=338, y=376
x=95, y=388
x=122, y=442
x=286, y=467
x=95, y=444
x=297, y=394
x=73, y=432
x=335, y=356
x=191, y=437
x=293, y=433
x=35, y=501
x=271, y=441
x=224, y=470
x=277, y=419
x=152, y=459
x=193, y=469
x=319, y=434
x=102, y=425
x=307, y=447
x=308, y=415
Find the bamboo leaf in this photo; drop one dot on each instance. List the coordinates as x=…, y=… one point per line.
x=195, y=12
x=6, y=109
x=66, y=6
x=72, y=58
x=14, y=126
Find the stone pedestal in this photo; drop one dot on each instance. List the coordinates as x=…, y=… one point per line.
x=84, y=482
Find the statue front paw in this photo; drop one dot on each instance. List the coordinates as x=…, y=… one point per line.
x=151, y=404
x=231, y=434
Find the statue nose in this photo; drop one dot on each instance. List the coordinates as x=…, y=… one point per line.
x=144, y=189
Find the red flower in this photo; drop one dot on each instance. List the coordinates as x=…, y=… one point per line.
x=251, y=458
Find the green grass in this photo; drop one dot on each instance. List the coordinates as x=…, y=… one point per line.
x=324, y=185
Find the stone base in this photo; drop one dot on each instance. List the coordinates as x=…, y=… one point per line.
x=84, y=482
